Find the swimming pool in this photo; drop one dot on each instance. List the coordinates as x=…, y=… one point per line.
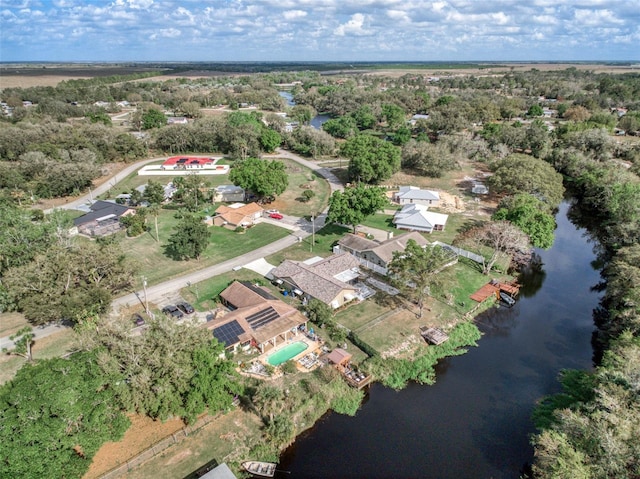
x=286, y=353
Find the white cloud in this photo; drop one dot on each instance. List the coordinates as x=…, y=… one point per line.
x=293, y=14
x=355, y=26
x=166, y=33
x=304, y=29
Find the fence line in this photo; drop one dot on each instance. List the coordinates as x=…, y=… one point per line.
x=156, y=448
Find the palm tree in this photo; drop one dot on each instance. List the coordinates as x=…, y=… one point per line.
x=154, y=209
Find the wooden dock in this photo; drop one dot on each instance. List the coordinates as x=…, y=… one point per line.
x=433, y=335
x=493, y=288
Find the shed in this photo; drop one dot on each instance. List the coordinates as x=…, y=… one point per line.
x=339, y=356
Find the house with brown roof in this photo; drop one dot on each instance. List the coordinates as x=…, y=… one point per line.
x=377, y=255
x=254, y=318
x=237, y=214
x=330, y=280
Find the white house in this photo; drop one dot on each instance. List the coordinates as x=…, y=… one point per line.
x=416, y=217
x=414, y=195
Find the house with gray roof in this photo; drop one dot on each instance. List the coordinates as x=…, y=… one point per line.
x=102, y=219
x=416, y=217
x=330, y=280
x=376, y=255
x=413, y=195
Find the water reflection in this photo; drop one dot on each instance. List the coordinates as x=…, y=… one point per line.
x=475, y=421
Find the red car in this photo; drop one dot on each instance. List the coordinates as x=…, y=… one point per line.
x=276, y=216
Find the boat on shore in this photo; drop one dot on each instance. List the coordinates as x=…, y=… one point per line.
x=507, y=299
x=260, y=469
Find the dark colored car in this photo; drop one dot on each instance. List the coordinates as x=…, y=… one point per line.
x=185, y=307
x=137, y=319
x=171, y=310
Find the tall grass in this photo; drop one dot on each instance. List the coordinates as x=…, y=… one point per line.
x=396, y=373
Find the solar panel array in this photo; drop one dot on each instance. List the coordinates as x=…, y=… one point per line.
x=259, y=319
x=228, y=333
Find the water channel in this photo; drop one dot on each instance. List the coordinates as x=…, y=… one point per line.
x=475, y=421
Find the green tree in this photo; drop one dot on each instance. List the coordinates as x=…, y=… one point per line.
x=393, y=115
x=303, y=113
x=64, y=282
x=530, y=215
x=190, y=191
x=153, y=119
x=414, y=270
x=262, y=177
x=23, y=341
x=429, y=159
x=154, y=192
x=269, y=401
x=318, y=312
x=534, y=110
x=525, y=174
x=64, y=407
x=270, y=140
x=353, y=205
x=190, y=239
x=341, y=127
x=364, y=117
x=372, y=160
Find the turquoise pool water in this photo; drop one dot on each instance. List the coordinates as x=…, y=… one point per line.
x=286, y=353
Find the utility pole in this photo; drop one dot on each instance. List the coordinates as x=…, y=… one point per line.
x=313, y=231
x=144, y=287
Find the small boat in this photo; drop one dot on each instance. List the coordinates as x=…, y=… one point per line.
x=261, y=469
x=507, y=299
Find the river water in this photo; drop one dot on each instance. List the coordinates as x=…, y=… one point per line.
x=475, y=422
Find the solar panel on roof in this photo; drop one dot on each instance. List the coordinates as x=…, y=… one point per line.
x=259, y=319
x=257, y=290
x=228, y=333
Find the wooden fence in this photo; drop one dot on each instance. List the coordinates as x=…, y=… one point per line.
x=156, y=448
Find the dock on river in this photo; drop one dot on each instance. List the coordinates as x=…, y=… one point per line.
x=493, y=288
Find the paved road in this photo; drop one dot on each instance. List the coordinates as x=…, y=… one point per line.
x=106, y=186
x=300, y=227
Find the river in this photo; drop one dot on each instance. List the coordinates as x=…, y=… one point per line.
x=316, y=121
x=475, y=422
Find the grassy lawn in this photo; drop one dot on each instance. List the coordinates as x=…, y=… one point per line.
x=134, y=180
x=301, y=179
x=52, y=346
x=382, y=222
x=10, y=323
x=224, y=244
x=324, y=240
x=360, y=314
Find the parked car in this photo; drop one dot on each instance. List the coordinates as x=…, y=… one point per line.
x=276, y=216
x=173, y=311
x=185, y=307
x=137, y=319
x=272, y=211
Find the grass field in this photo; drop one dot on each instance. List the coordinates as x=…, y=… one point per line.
x=324, y=240
x=52, y=346
x=224, y=244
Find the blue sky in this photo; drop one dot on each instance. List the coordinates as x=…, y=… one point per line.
x=317, y=30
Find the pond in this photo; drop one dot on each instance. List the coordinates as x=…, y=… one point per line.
x=475, y=422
